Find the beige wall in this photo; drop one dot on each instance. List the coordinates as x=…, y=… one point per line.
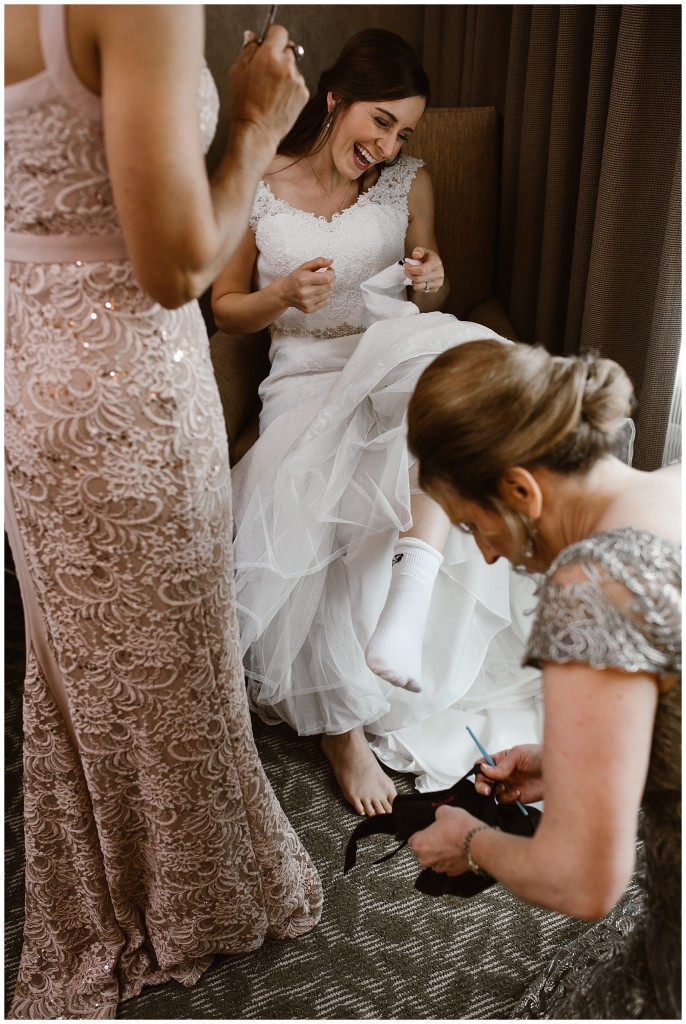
x=320, y=28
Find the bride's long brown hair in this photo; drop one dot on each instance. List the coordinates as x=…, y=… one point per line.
x=374, y=65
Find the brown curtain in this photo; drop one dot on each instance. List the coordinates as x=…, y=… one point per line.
x=589, y=240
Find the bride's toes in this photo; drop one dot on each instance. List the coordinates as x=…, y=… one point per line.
x=381, y=806
x=363, y=782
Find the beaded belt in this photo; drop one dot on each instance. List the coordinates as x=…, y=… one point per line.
x=330, y=332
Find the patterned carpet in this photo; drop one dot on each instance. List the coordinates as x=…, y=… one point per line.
x=381, y=951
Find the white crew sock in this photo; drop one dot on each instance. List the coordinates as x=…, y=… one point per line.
x=394, y=651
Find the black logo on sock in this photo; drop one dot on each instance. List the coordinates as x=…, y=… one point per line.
x=397, y=558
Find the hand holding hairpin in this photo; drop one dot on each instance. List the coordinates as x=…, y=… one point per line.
x=250, y=37
x=489, y=760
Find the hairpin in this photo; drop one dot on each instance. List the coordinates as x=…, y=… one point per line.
x=489, y=760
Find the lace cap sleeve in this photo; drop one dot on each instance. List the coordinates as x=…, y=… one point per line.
x=613, y=601
x=395, y=183
x=260, y=206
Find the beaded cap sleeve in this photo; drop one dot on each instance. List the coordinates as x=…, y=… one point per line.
x=614, y=600
x=361, y=240
x=624, y=612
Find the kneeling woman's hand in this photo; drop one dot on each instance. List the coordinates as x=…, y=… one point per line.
x=440, y=845
x=518, y=774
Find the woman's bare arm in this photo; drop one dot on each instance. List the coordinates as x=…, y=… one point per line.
x=179, y=228
x=598, y=735
x=237, y=309
x=421, y=235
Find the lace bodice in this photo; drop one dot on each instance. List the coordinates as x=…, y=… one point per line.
x=56, y=177
x=361, y=240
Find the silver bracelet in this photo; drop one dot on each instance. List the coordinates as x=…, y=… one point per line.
x=473, y=866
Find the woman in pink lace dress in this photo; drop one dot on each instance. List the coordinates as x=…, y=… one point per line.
x=153, y=839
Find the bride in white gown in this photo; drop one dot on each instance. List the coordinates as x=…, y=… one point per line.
x=364, y=616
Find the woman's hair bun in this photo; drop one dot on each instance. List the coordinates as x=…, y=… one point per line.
x=485, y=406
x=607, y=397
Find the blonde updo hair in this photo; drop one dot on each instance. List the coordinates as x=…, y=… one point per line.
x=484, y=407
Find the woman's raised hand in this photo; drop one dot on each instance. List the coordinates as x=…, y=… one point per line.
x=310, y=285
x=267, y=89
x=521, y=768
x=428, y=274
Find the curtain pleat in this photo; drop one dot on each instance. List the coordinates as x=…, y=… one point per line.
x=665, y=338
x=466, y=51
x=605, y=32
x=532, y=149
x=627, y=312
x=568, y=124
x=513, y=118
x=589, y=221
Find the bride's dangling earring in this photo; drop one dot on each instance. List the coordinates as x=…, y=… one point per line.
x=328, y=122
x=529, y=549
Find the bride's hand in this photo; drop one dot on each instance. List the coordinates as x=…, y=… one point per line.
x=429, y=271
x=310, y=285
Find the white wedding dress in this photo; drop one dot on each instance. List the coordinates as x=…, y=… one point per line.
x=320, y=498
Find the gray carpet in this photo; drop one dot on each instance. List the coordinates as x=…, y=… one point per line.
x=381, y=951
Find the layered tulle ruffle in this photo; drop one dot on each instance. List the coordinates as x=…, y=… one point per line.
x=319, y=503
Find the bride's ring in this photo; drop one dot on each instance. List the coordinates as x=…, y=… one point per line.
x=298, y=50
x=426, y=286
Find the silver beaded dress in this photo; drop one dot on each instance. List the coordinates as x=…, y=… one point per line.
x=153, y=838
x=627, y=614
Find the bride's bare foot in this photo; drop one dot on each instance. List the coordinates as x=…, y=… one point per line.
x=363, y=782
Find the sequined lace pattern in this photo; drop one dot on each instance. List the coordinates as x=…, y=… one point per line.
x=625, y=614
x=155, y=842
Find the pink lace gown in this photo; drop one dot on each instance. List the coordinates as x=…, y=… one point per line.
x=153, y=839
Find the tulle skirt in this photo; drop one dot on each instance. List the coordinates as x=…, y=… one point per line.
x=319, y=502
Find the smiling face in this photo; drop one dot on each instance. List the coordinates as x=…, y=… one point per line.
x=369, y=133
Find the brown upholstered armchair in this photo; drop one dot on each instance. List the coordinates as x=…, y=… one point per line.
x=459, y=148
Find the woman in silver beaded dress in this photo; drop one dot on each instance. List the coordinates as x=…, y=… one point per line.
x=153, y=839
x=515, y=446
